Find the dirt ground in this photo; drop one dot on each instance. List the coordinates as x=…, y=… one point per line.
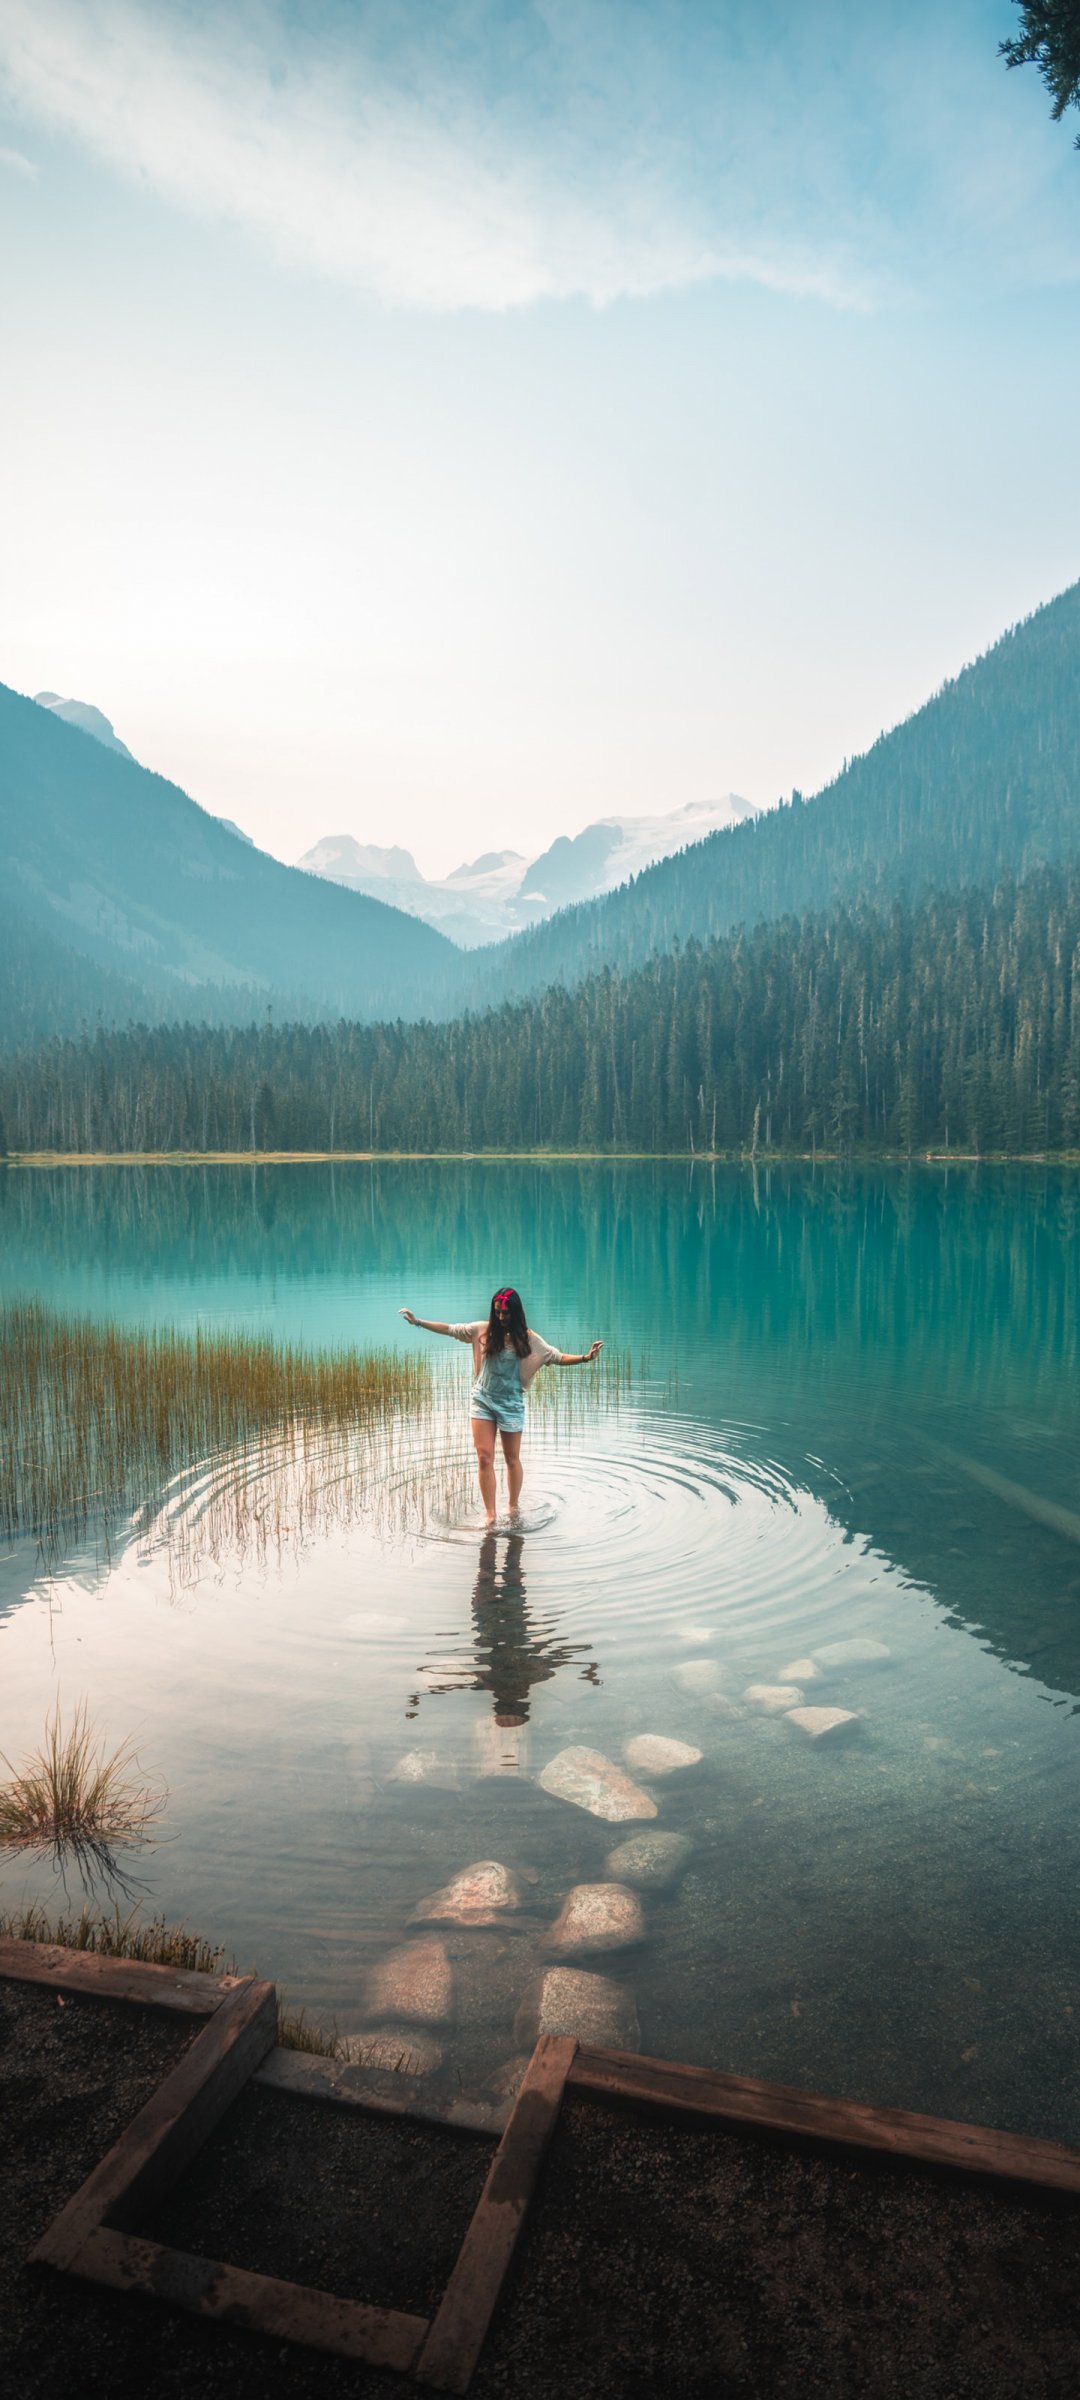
x=657, y=2258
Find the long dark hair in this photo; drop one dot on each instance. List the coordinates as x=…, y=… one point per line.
x=513, y=1324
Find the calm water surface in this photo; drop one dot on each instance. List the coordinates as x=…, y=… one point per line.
x=858, y=1413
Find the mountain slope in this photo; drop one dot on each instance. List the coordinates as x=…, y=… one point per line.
x=108, y=864
x=47, y=988
x=983, y=781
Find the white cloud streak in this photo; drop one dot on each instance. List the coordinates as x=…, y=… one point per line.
x=17, y=164
x=413, y=192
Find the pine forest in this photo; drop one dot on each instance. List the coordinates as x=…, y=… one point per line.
x=951, y=1022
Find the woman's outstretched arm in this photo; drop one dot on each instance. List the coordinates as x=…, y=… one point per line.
x=426, y=1324
x=578, y=1358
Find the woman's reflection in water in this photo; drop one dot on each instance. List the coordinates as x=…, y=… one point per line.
x=510, y=1653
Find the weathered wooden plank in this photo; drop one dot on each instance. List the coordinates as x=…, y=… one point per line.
x=333, y=2081
x=289, y=2312
x=181, y=1988
x=778, y=2108
x=168, y=2130
x=465, y=2310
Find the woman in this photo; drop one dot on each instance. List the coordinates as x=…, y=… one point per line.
x=506, y=1355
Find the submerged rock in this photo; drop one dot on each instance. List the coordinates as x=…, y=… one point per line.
x=590, y=1781
x=649, y=1860
x=394, y=2050
x=597, y=1916
x=823, y=1724
x=801, y=1670
x=473, y=1897
x=696, y=1676
x=499, y=1749
x=775, y=1698
x=590, y=2007
x=653, y=1754
x=415, y=1983
x=860, y=1651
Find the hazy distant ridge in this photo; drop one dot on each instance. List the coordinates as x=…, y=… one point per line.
x=115, y=882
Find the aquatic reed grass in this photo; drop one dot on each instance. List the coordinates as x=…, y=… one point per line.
x=95, y=1419
x=76, y=1792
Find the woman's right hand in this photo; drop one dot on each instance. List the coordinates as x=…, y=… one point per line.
x=408, y=1316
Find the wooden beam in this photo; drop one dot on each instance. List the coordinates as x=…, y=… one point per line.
x=776, y=2108
x=182, y=1988
x=156, y=2146
x=465, y=2310
x=287, y=2312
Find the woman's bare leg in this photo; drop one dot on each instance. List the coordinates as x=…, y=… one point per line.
x=511, y=1443
x=483, y=1435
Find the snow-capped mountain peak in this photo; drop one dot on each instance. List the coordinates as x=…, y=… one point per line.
x=501, y=892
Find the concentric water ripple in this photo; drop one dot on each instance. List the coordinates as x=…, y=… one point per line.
x=661, y=1524
x=631, y=1531
x=642, y=1536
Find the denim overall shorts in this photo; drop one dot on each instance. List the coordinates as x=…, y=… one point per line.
x=497, y=1394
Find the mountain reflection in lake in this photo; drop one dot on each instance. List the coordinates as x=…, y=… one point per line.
x=861, y=1421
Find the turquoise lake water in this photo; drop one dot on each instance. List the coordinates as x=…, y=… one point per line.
x=855, y=1411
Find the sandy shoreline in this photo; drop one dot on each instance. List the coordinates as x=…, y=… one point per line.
x=553, y=1158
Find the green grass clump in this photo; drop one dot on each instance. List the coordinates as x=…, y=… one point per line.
x=74, y=1791
x=117, y=1936
x=160, y=1945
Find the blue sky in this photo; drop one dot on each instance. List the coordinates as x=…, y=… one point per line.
x=449, y=423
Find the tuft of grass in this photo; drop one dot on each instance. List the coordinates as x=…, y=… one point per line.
x=75, y=1791
x=117, y=1936
x=297, y=2031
